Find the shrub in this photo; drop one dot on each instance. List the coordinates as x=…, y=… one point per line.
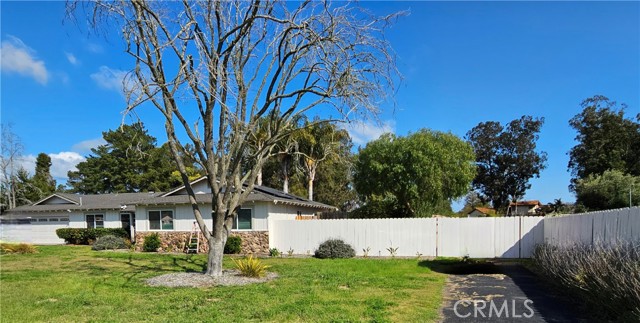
x=251, y=267
x=85, y=236
x=335, y=248
x=606, y=277
x=151, y=243
x=109, y=242
x=274, y=252
x=233, y=245
x=21, y=248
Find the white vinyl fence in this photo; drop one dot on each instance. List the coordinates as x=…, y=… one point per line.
x=36, y=233
x=503, y=237
x=512, y=237
x=602, y=226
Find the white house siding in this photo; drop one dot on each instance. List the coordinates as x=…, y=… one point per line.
x=77, y=220
x=183, y=217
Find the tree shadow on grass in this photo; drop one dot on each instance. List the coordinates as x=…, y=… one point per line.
x=140, y=266
x=460, y=267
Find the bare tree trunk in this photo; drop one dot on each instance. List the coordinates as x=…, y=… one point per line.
x=312, y=177
x=259, y=177
x=214, y=259
x=285, y=175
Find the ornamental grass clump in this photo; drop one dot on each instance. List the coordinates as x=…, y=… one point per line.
x=20, y=248
x=604, y=276
x=335, y=248
x=251, y=267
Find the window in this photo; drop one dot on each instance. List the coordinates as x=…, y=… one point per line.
x=161, y=220
x=42, y=220
x=54, y=220
x=242, y=220
x=95, y=221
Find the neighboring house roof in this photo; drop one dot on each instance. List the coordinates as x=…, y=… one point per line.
x=526, y=203
x=483, y=210
x=89, y=202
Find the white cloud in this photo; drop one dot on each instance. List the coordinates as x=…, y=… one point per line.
x=61, y=163
x=72, y=59
x=19, y=58
x=362, y=132
x=108, y=78
x=94, y=48
x=85, y=146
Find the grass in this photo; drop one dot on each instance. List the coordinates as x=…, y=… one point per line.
x=76, y=284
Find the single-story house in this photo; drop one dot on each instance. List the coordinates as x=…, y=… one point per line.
x=523, y=208
x=169, y=214
x=479, y=212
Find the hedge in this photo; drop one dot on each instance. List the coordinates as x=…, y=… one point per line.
x=88, y=236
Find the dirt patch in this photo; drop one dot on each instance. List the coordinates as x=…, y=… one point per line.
x=228, y=278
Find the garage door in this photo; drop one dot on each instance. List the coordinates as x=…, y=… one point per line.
x=41, y=232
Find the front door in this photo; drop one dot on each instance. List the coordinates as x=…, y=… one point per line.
x=125, y=221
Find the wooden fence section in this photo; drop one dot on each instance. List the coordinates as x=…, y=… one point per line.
x=513, y=237
x=602, y=226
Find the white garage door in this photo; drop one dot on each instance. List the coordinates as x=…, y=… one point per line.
x=43, y=232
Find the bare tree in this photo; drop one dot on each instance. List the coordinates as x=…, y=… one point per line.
x=214, y=68
x=12, y=150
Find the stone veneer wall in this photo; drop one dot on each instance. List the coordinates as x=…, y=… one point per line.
x=253, y=242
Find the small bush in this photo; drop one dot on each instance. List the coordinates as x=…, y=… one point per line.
x=109, y=243
x=335, y=248
x=85, y=236
x=21, y=248
x=151, y=243
x=274, y=252
x=251, y=267
x=233, y=245
x=606, y=277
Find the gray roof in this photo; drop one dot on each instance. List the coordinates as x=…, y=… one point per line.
x=259, y=193
x=88, y=202
x=128, y=201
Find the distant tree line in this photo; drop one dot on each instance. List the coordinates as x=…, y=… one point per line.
x=393, y=176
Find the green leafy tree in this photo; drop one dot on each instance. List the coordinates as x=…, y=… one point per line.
x=128, y=162
x=607, y=140
x=608, y=190
x=42, y=179
x=320, y=150
x=506, y=158
x=318, y=142
x=418, y=174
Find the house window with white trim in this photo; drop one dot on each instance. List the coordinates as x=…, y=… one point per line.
x=161, y=220
x=242, y=221
x=95, y=221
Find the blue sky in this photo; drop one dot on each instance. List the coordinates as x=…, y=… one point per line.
x=462, y=63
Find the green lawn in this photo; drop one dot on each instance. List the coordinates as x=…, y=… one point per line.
x=74, y=284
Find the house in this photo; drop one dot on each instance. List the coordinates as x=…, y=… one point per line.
x=169, y=214
x=523, y=208
x=479, y=212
